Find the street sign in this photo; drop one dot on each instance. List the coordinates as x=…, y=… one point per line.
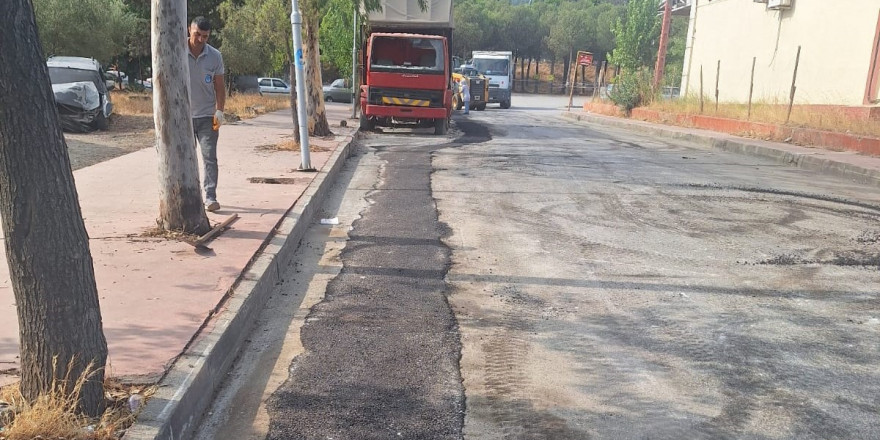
x=584, y=58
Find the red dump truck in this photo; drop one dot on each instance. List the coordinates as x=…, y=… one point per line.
x=407, y=72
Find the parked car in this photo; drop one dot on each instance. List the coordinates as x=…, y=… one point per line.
x=113, y=77
x=81, y=93
x=273, y=85
x=337, y=91
x=147, y=84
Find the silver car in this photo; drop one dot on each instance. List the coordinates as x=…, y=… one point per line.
x=337, y=91
x=273, y=85
x=81, y=93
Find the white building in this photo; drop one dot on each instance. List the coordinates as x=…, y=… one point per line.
x=839, y=59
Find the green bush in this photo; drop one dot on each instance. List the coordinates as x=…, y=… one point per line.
x=632, y=89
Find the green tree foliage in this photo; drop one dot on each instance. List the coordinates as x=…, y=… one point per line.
x=471, y=28
x=632, y=89
x=97, y=29
x=336, y=36
x=636, y=35
x=582, y=26
x=606, y=15
x=256, y=36
x=537, y=29
x=273, y=25
x=244, y=51
x=569, y=31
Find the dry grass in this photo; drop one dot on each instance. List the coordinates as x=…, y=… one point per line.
x=54, y=416
x=249, y=106
x=238, y=106
x=290, y=145
x=829, y=119
x=130, y=103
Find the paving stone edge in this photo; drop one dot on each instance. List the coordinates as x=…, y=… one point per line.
x=187, y=389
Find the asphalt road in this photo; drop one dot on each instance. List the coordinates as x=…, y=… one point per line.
x=529, y=277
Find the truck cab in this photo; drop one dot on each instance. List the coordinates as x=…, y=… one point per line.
x=407, y=82
x=407, y=66
x=498, y=67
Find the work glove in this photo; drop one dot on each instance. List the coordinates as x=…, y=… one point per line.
x=218, y=118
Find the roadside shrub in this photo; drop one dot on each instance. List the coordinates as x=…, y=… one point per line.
x=632, y=89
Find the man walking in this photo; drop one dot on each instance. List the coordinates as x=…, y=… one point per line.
x=207, y=96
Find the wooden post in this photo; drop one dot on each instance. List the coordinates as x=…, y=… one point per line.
x=701, y=89
x=793, y=86
x=751, y=88
x=573, y=79
x=717, y=75
x=661, y=50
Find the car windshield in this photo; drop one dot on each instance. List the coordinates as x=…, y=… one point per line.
x=63, y=75
x=406, y=55
x=492, y=66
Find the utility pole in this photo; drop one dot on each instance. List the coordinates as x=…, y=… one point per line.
x=355, y=91
x=302, y=117
x=664, y=41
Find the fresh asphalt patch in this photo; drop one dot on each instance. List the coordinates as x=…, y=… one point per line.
x=382, y=348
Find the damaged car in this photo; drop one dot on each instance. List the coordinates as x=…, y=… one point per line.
x=81, y=93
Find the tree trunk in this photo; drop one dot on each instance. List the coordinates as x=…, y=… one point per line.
x=318, y=125
x=293, y=107
x=293, y=95
x=537, y=73
x=47, y=246
x=180, y=197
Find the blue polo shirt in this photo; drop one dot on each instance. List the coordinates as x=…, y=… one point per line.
x=202, y=70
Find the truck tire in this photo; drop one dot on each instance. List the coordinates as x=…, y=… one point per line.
x=481, y=107
x=441, y=126
x=367, y=124
x=505, y=104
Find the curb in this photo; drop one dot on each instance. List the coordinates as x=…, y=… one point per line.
x=187, y=389
x=733, y=144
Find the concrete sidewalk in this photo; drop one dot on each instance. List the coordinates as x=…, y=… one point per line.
x=846, y=164
x=171, y=312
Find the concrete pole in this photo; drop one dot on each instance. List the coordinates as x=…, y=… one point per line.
x=664, y=40
x=296, y=22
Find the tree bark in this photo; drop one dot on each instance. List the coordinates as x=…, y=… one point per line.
x=318, y=125
x=47, y=246
x=180, y=197
x=293, y=103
